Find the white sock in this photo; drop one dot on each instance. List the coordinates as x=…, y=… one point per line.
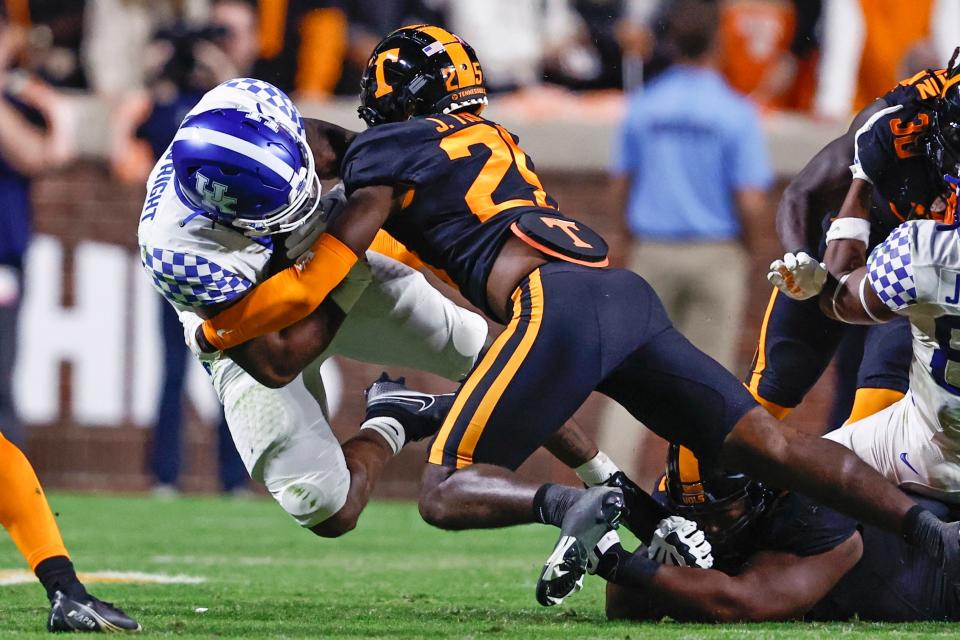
x=597, y=470
x=389, y=429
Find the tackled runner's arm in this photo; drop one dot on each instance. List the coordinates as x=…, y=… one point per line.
x=773, y=586
x=819, y=187
x=852, y=300
x=293, y=294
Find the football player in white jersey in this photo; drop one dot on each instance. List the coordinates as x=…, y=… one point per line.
x=915, y=273
x=243, y=175
x=202, y=256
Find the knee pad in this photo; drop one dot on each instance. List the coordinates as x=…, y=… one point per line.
x=314, y=497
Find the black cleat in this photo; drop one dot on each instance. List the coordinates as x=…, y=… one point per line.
x=595, y=513
x=421, y=414
x=88, y=614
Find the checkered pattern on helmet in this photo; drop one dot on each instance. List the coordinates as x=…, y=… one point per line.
x=268, y=93
x=891, y=272
x=191, y=280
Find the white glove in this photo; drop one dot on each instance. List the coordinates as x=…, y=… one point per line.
x=680, y=542
x=191, y=322
x=303, y=237
x=798, y=276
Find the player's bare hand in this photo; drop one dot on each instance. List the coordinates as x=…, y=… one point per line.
x=798, y=276
x=680, y=542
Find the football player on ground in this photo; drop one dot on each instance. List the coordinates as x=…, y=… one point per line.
x=235, y=199
x=778, y=556
x=914, y=273
x=25, y=514
x=458, y=191
x=896, y=180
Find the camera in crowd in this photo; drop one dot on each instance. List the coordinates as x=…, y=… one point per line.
x=182, y=67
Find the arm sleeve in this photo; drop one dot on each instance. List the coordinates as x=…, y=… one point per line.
x=890, y=269
x=285, y=298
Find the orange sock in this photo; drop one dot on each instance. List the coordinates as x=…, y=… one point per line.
x=871, y=400
x=24, y=511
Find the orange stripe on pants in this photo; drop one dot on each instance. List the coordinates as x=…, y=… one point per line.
x=496, y=389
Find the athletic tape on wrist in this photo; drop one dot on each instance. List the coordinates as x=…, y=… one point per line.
x=849, y=229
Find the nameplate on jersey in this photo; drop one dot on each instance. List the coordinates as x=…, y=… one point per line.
x=949, y=287
x=558, y=237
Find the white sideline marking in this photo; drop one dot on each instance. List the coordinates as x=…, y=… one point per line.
x=10, y=577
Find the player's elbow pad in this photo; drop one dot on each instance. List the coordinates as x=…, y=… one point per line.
x=285, y=298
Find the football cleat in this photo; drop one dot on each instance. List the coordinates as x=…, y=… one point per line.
x=594, y=514
x=421, y=414
x=642, y=513
x=88, y=614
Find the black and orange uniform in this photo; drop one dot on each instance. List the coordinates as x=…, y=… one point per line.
x=796, y=340
x=893, y=581
x=575, y=325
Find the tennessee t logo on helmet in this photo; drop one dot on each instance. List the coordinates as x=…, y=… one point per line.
x=420, y=70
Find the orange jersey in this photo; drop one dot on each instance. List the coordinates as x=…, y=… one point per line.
x=754, y=36
x=892, y=28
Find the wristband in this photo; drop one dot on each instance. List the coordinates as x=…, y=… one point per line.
x=849, y=229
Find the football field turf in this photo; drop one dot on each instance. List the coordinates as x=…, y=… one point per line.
x=254, y=574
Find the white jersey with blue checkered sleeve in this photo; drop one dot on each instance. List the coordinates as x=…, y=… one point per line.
x=916, y=273
x=191, y=261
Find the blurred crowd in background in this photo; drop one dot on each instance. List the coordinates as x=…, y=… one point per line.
x=148, y=61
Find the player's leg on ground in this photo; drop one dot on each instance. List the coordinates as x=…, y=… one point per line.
x=688, y=398
x=26, y=515
x=795, y=346
x=571, y=445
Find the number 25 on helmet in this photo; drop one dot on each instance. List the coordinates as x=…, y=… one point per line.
x=420, y=70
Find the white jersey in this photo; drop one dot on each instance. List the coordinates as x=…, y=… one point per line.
x=283, y=435
x=192, y=261
x=916, y=273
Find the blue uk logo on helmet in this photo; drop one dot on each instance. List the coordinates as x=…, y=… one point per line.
x=241, y=158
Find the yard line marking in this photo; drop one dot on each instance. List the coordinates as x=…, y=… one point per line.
x=10, y=577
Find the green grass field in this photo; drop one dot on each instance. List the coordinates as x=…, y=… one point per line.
x=394, y=577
